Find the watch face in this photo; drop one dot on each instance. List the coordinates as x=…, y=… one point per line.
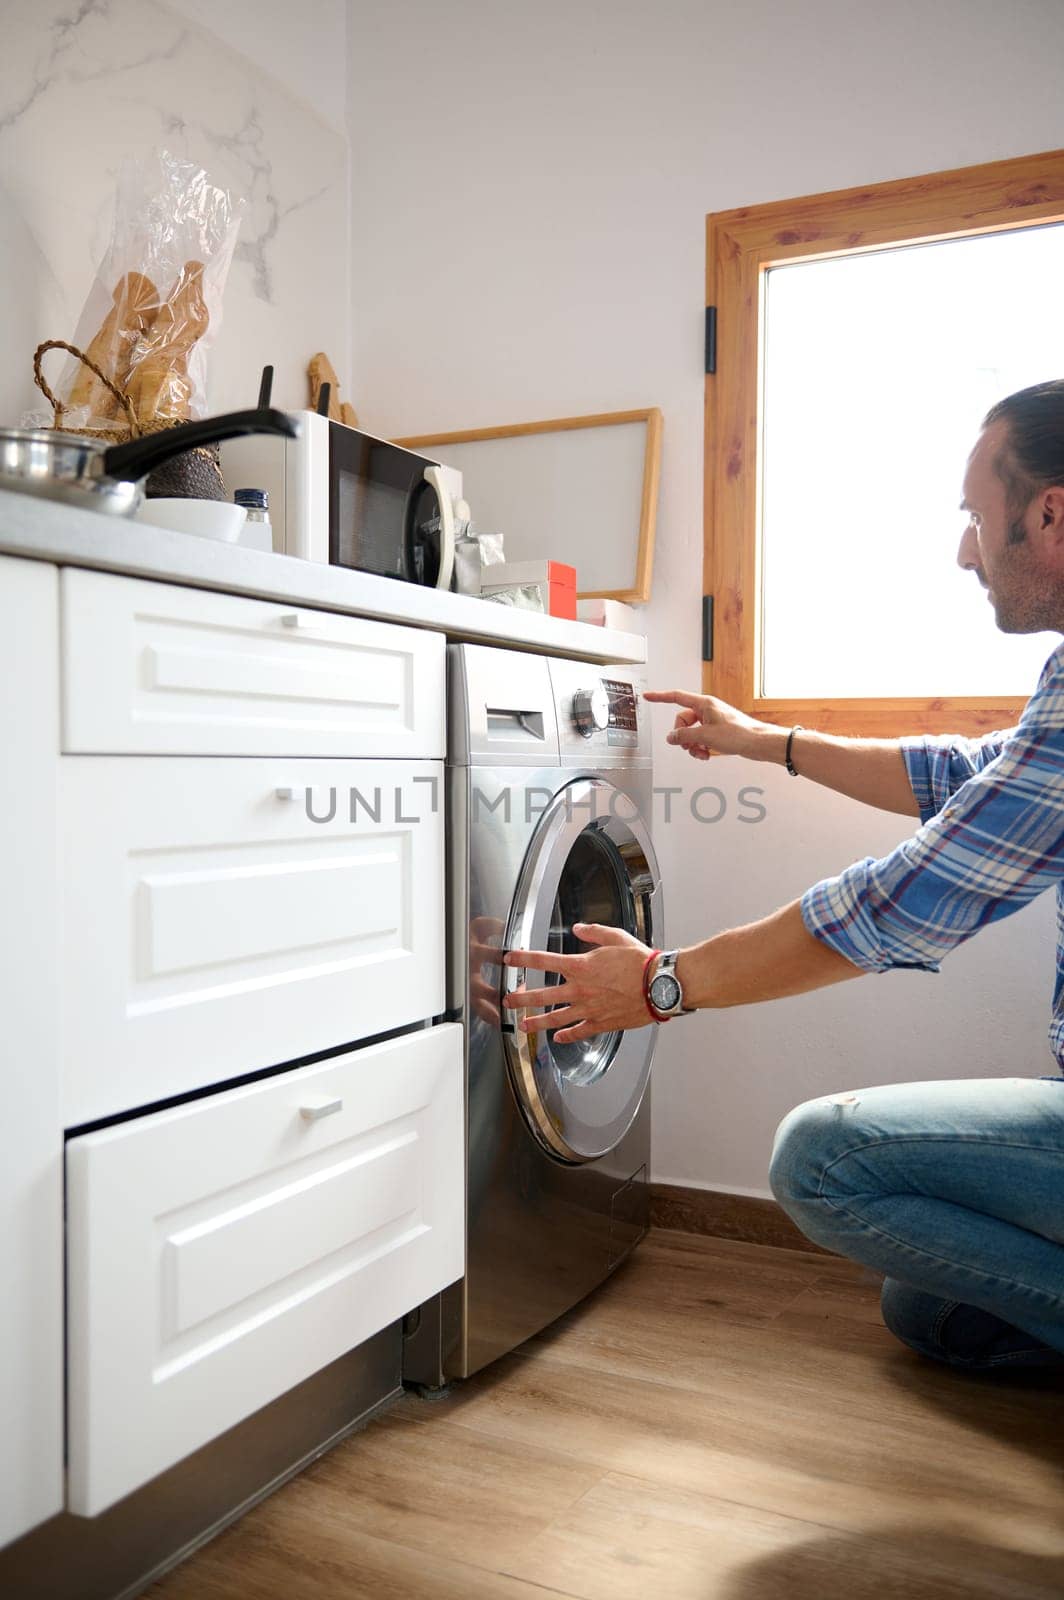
x=664, y=992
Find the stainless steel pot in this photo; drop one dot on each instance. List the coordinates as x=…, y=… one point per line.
x=107, y=477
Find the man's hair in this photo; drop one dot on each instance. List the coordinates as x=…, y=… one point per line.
x=1033, y=456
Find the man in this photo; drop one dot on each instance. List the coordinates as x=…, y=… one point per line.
x=953, y=1189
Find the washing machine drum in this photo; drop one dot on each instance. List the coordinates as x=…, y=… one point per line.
x=590, y=860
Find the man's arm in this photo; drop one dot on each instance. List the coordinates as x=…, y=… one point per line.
x=602, y=991
x=997, y=844
x=765, y=960
x=993, y=846
x=870, y=770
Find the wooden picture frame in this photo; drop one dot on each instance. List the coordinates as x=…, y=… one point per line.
x=532, y=459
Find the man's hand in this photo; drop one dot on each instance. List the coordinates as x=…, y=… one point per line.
x=600, y=992
x=870, y=770
x=706, y=726
x=485, y=959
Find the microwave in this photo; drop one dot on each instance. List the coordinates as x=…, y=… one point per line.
x=341, y=496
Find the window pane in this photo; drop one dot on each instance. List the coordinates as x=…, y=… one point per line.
x=878, y=371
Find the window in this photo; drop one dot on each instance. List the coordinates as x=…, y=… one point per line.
x=861, y=338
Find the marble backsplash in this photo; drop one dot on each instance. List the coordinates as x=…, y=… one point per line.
x=84, y=84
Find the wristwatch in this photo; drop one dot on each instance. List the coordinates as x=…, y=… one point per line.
x=665, y=991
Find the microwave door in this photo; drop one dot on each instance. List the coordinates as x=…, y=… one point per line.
x=370, y=484
x=445, y=543
x=432, y=531
x=366, y=525
x=413, y=540
x=390, y=511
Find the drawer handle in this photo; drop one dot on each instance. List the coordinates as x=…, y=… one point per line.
x=290, y=619
x=320, y=1105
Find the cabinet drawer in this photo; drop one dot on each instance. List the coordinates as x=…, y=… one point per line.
x=156, y=669
x=212, y=927
x=220, y=1252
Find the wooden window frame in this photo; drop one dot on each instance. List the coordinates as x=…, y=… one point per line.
x=741, y=246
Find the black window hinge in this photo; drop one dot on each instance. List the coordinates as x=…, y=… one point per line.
x=707, y=627
x=711, y=338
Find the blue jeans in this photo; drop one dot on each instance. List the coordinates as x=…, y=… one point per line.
x=954, y=1190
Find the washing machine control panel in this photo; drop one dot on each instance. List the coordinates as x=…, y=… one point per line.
x=591, y=710
x=600, y=720
x=607, y=709
x=623, y=724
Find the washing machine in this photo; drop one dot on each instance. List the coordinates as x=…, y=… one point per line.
x=549, y=797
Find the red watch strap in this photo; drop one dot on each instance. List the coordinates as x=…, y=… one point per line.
x=655, y=1016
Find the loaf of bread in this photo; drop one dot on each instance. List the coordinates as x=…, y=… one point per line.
x=162, y=390
x=159, y=385
x=136, y=304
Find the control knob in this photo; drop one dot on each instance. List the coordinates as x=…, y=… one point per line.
x=591, y=710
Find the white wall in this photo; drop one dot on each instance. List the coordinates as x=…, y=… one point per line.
x=303, y=47
x=529, y=191
x=248, y=91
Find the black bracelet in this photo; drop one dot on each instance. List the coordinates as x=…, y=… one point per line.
x=791, y=768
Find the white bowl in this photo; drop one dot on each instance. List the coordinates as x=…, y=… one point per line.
x=209, y=519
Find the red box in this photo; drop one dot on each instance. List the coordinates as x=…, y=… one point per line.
x=561, y=590
x=556, y=577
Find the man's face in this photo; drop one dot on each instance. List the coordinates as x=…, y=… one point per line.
x=1017, y=553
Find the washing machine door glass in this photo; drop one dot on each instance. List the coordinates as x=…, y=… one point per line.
x=590, y=860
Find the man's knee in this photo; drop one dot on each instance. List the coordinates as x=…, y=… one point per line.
x=807, y=1141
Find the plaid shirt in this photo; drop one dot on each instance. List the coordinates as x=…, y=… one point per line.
x=991, y=839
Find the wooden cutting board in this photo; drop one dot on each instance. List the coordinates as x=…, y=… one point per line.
x=321, y=370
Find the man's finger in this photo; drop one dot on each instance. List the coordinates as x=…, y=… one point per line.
x=542, y=961
x=551, y=1019
x=583, y=1030
x=686, y=736
x=521, y=999
x=599, y=933
x=674, y=697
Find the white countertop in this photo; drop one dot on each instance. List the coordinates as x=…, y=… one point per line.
x=45, y=530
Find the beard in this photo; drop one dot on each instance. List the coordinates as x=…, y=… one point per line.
x=1023, y=603
x=1013, y=618
x=1025, y=600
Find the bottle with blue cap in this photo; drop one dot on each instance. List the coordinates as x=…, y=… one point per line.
x=257, y=532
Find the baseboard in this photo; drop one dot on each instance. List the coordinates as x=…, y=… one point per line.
x=726, y=1216
x=118, y=1554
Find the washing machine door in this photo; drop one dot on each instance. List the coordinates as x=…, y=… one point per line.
x=588, y=861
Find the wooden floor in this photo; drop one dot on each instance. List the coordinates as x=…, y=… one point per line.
x=721, y=1421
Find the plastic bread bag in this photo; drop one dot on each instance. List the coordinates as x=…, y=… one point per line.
x=156, y=304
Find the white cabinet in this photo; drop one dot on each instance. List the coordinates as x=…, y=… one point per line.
x=224, y=855
x=222, y=1251
x=222, y=916
x=158, y=669
x=31, y=1162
